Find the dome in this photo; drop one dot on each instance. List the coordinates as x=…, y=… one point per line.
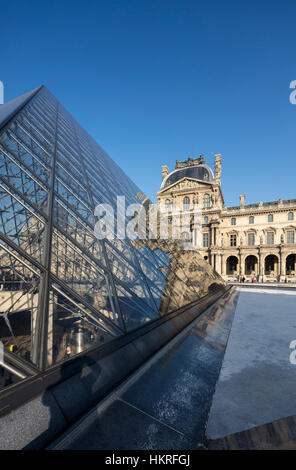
x=199, y=172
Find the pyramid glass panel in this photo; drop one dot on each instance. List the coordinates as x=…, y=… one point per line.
x=20, y=224
x=19, y=295
x=74, y=328
x=62, y=290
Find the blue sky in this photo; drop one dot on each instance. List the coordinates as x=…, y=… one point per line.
x=155, y=81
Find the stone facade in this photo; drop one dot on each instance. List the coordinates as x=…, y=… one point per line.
x=189, y=278
x=255, y=241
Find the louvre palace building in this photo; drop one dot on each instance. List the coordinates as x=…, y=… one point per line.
x=255, y=241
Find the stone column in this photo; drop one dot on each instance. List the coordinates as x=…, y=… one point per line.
x=261, y=267
x=241, y=269
x=282, y=266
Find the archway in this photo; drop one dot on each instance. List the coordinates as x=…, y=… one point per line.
x=291, y=265
x=231, y=265
x=251, y=265
x=271, y=265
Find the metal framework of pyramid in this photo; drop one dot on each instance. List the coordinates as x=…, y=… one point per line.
x=61, y=290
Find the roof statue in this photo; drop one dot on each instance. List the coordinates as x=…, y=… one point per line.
x=190, y=162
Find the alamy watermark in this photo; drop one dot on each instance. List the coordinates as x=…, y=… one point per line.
x=142, y=222
x=1, y=92
x=293, y=93
x=293, y=353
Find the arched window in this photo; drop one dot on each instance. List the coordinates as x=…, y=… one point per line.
x=290, y=216
x=231, y=265
x=251, y=219
x=251, y=265
x=207, y=201
x=291, y=265
x=271, y=265
x=186, y=203
x=206, y=220
x=270, y=218
x=167, y=204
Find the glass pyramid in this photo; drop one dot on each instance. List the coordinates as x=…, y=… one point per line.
x=61, y=290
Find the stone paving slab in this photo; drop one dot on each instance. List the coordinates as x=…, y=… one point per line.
x=257, y=382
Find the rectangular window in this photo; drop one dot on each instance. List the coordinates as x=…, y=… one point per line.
x=232, y=240
x=205, y=240
x=233, y=221
x=290, y=236
x=270, y=238
x=251, y=239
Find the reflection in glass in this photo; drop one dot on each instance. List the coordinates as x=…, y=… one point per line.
x=52, y=176
x=73, y=328
x=19, y=291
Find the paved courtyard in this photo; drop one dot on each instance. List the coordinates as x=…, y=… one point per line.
x=257, y=382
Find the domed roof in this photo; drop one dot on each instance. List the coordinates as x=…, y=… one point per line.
x=199, y=172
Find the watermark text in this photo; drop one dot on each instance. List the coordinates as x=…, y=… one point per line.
x=293, y=93
x=139, y=222
x=1, y=92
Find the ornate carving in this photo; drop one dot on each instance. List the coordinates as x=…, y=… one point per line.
x=185, y=184
x=190, y=162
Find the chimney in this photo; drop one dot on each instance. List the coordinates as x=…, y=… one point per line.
x=165, y=170
x=218, y=159
x=242, y=200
